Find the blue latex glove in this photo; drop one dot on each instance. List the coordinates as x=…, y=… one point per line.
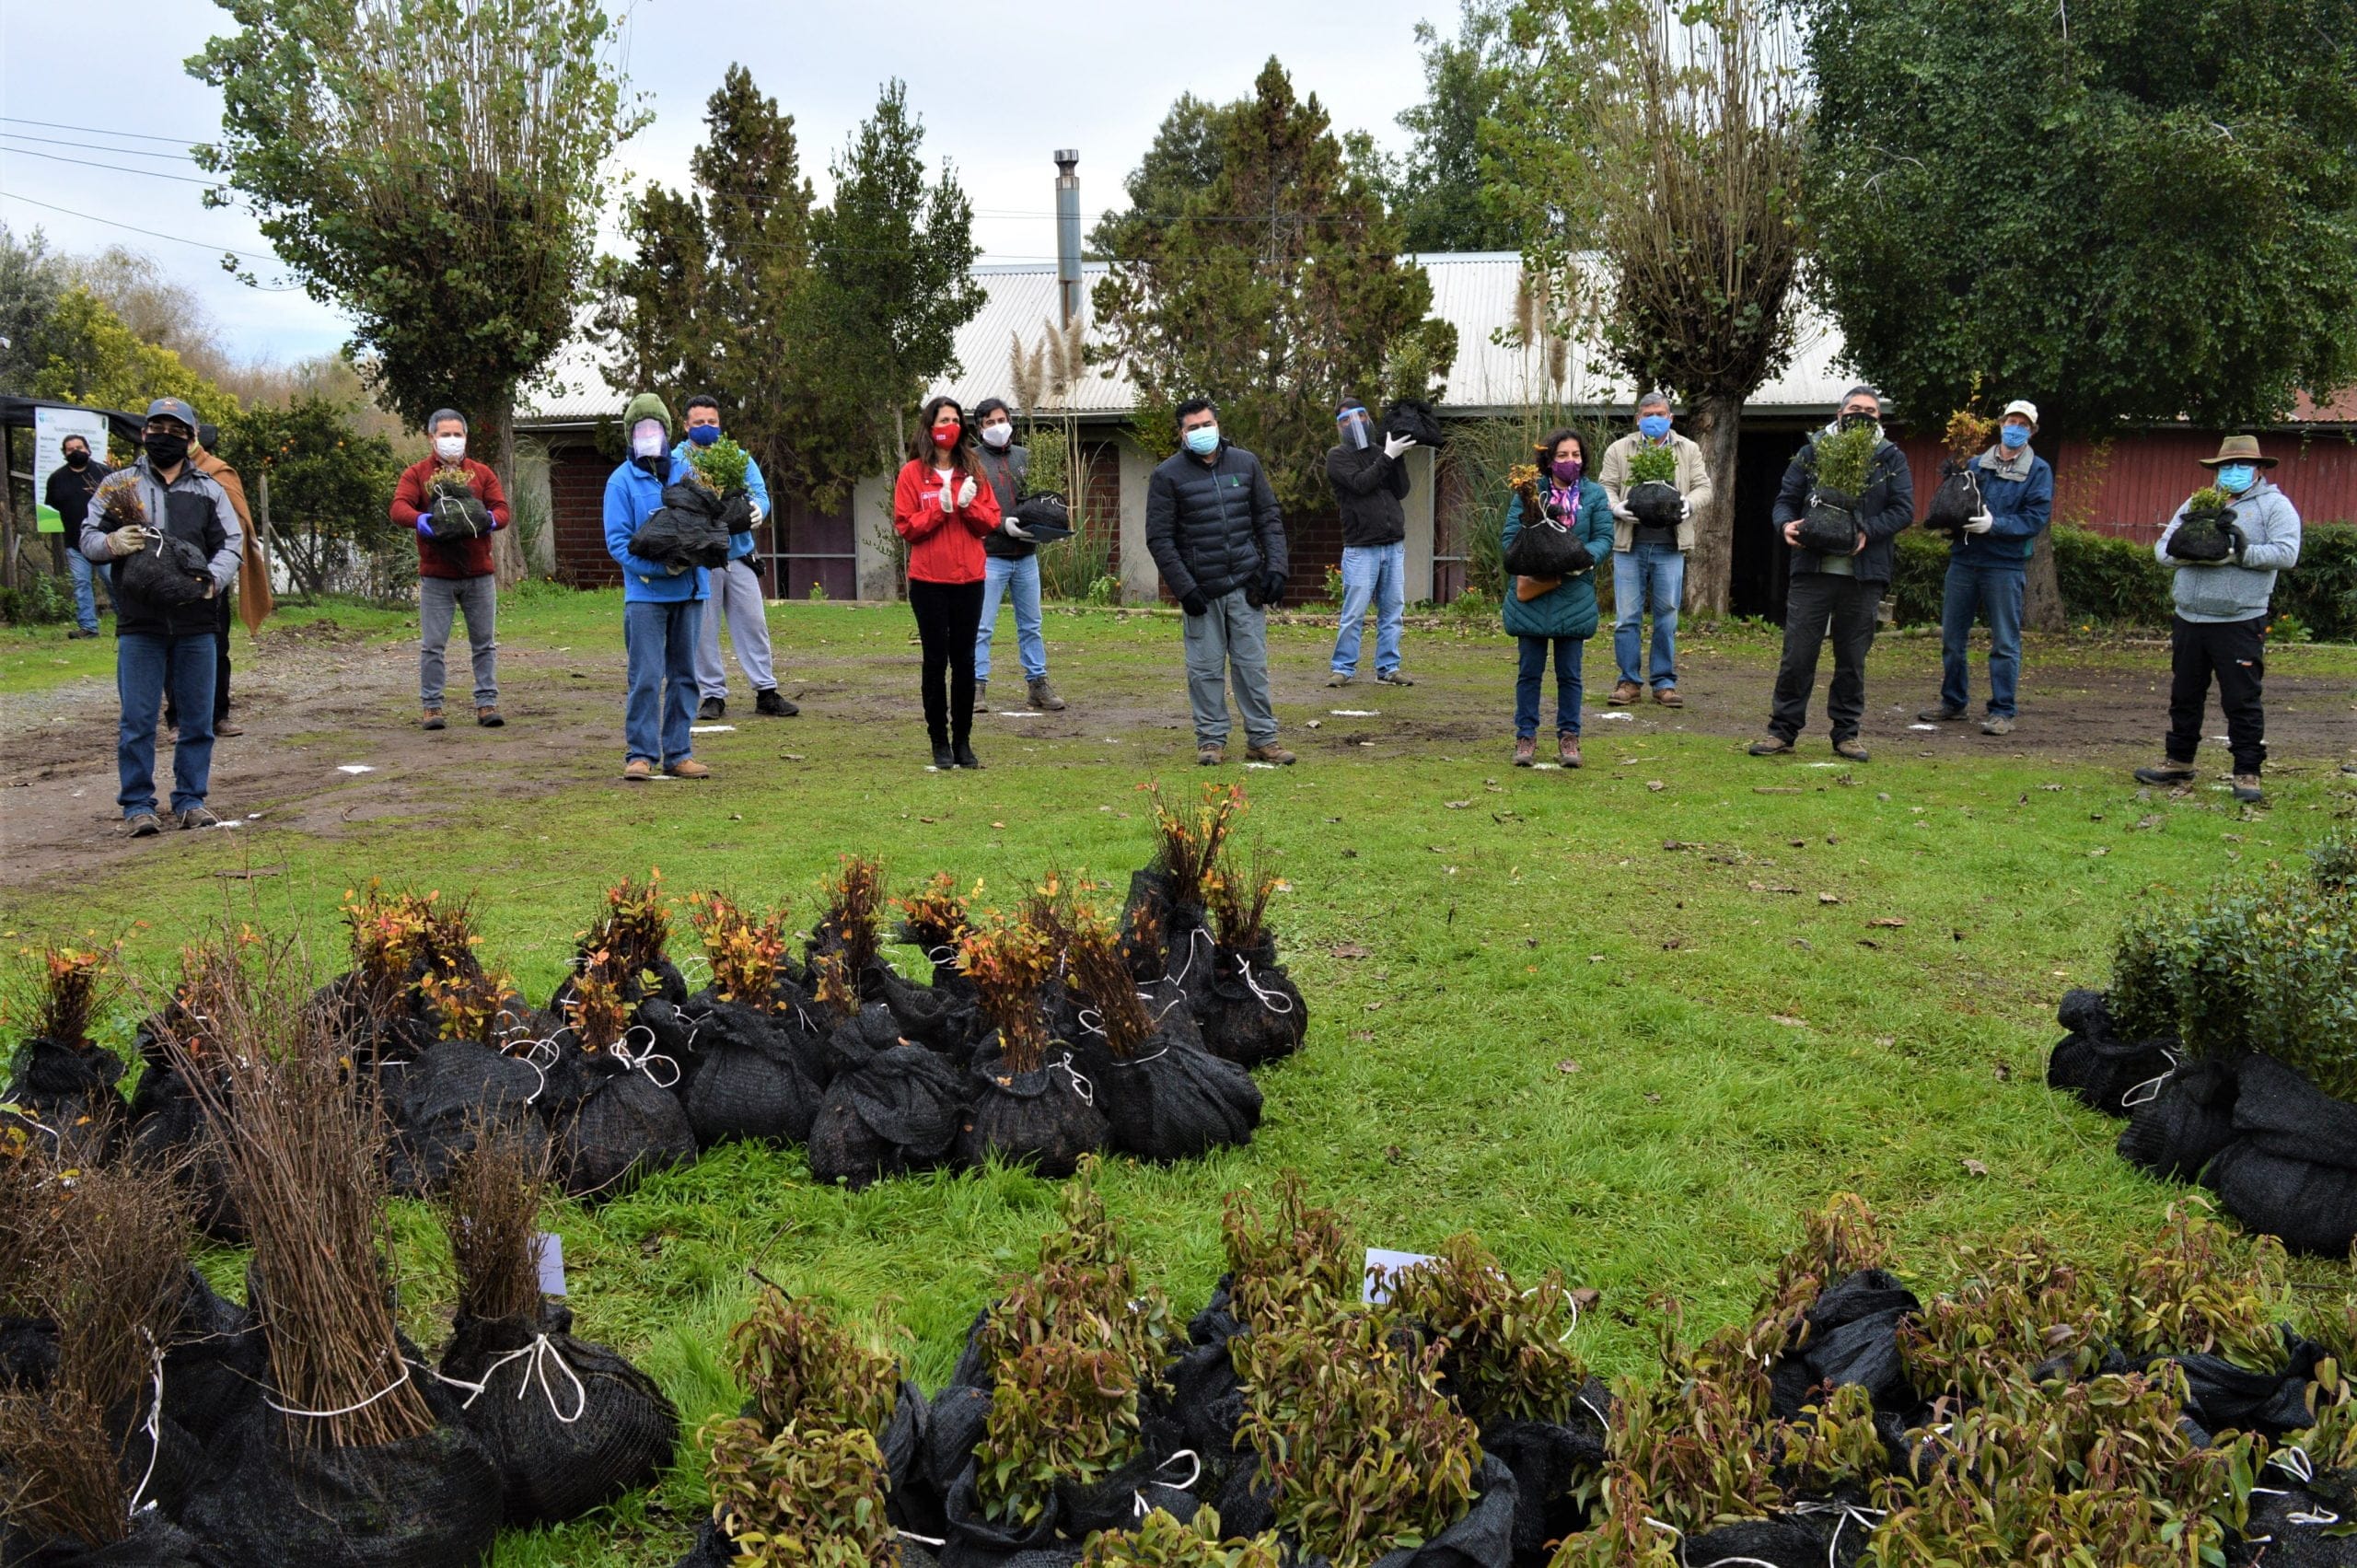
x=425, y=524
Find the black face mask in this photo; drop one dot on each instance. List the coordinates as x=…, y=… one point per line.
x=165, y=449
x=78, y=460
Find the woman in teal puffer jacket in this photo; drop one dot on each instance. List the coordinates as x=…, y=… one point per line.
x=1555, y=612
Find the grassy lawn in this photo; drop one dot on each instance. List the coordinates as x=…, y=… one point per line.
x=1625, y=1022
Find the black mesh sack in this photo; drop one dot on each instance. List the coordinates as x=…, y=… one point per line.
x=944, y=1021
x=901, y=1113
x=1851, y=1337
x=910, y=1499
x=853, y=1042
x=747, y=1082
x=1957, y=501
x=624, y=1125
x=1251, y=1013
x=570, y=1425
x=216, y=1364
x=668, y=984
x=1046, y=1120
x=2309, y=1207
x=170, y=572
x=1174, y=1101
x=1787, y=1542
x=975, y=1541
x=169, y=1132
x=1544, y=547
x=445, y=1090
x=1829, y=527
x=2180, y=1128
x=70, y=1091
x=687, y=530
x=1655, y=503
x=2288, y=1520
x=1549, y=1461
x=430, y=1501
x=2104, y=1072
x=1413, y=417
x=2221, y=1397
x=2282, y=1112
x=1483, y=1537
x=154, y=1543
x=2202, y=536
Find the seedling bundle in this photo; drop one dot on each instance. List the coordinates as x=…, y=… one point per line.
x=1957, y=500
x=1652, y=496
x=1840, y=463
x=459, y=514
x=2206, y=533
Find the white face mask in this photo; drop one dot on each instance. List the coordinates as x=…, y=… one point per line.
x=450, y=448
x=996, y=437
x=646, y=439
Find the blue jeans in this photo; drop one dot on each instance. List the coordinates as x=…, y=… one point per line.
x=144, y=662
x=1377, y=574
x=1995, y=592
x=1533, y=674
x=85, y=601
x=660, y=640
x=1647, y=576
x=1018, y=580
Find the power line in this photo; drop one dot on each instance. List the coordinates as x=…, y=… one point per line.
x=96, y=130
x=85, y=146
x=155, y=234
x=117, y=167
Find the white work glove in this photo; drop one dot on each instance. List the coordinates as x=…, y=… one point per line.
x=760, y=514
x=1980, y=522
x=948, y=499
x=210, y=587
x=1395, y=445
x=1014, y=530
x=966, y=492
x=128, y=539
x=1685, y=509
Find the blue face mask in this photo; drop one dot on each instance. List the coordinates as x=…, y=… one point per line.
x=2235, y=478
x=1654, y=427
x=2014, y=436
x=703, y=434
x=1203, y=440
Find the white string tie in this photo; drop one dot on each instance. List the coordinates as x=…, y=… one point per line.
x=1181, y=977
x=1080, y=1085
x=921, y=1541
x=349, y=1410
x=153, y=1426
x=542, y=1352
x=1276, y=1002
x=2149, y=1089
x=643, y=1061
x=2293, y=1460
x=1138, y=1498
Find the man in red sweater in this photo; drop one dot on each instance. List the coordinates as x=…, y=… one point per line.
x=454, y=565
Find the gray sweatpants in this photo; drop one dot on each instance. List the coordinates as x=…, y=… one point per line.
x=1228, y=646
x=736, y=593
x=438, y=600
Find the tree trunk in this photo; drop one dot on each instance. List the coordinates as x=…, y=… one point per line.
x=507, y=551
x=1709, y=568
x=2042, y=607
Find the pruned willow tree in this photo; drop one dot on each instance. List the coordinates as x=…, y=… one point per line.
x=433, y=169
x=1653, y=154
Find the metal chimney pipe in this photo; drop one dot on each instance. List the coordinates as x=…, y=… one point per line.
x=1068, y=232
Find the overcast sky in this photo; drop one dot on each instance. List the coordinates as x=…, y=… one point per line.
x=996, y=100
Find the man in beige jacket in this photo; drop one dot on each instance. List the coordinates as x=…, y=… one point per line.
x=1649, y=553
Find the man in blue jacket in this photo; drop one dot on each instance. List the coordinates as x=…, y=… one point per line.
x=736, y=592
x=662, y=606
x=1988, y=564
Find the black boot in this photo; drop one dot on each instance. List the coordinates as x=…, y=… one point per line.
x=711, y=708
x=767, y=701
x=943, y=758
x=964, y=753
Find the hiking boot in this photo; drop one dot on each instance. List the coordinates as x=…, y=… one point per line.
x=488, y=717
x=944, y=760
x=1774, y=745
x=1526, y=751
x=77, y=634
x=1272, y=752
x=2246, y=790
x=688, y=768
x=1997, y=724
x=1043, y=697
x=1393, y=678
x=766, y=701
x=981, y=692
x=1623, y=693
x=638, y=770
x=224, y=728
x=1339, y=678
x=1667, y=697
x=2169, y=774
x=1853, y=749
x=1941, y=715
x=1209, y=754
x=711, y=708
x=1567, y=748
x=198, y=817
x=142, y=825
x=963, y=757
x=430, y=719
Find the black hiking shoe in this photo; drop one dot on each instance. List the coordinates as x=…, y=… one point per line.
x=1774, y=745
x=2170, y=774
x=711, y=708
x=143, y=825
x=767, y=701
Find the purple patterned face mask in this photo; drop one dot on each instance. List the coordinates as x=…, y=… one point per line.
x=1567, y=471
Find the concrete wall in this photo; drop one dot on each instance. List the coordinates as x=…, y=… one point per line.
x=1140, y=582
x=872, y=537
x=1423, y=462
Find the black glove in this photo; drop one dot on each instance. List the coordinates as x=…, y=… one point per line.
x=1273, y=586
x=1194, y=603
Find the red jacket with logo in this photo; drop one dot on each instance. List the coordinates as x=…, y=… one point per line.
x=943, y=547
x=457, y=558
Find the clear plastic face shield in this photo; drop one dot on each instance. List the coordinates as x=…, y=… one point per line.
x=1356, y=429
x=647, y=438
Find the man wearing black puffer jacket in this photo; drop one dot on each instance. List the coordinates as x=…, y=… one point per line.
x=1836, y=595
x=1212, y=528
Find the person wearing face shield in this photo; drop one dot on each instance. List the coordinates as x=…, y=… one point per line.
x=662, y=605
x=457, y=574
x=76, y=479
x=1368, y=473
x=735, y=591
x=1988, y=569
x=164, y=647
x=1833, y=595
x=1011, y=567
x=1649, y=556
x=1212, y=528
x=2219, y=631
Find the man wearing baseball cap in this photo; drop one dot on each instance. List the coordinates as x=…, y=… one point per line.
x=1988, y=566
x=2220, y=621
x=157, y=502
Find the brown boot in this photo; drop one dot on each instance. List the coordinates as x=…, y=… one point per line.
x=688, y=768
x=638, y=770
x=1211, y=754
x=1567, y=748
x=1668, y=698
x=1272, y=752
x=488, y=717
x=1623, y=693
x=430, y=719
x=1526, y=751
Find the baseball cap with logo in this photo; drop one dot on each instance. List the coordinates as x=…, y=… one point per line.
x=173, y=408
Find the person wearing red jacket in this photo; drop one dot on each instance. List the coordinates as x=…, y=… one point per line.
x=453, y=565
x=944, y=509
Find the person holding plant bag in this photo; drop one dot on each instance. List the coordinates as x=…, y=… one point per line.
x=1655, y=479
x=730, y=472
x=941, y=505
x=662, y=604
x=2226, y=544
x=1987, y=568
x=455, y=504
x=1559, y=525
x=1847, y=494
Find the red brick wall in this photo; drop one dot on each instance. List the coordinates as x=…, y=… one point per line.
x=577, y=476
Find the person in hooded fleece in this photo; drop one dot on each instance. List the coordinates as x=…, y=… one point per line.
x=662, y=605
x=455, y=574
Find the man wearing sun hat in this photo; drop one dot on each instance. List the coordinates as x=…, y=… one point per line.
x=2220, y=621
x=1989, y=569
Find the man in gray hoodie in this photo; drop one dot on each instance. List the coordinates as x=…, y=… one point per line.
x=2221, y=620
